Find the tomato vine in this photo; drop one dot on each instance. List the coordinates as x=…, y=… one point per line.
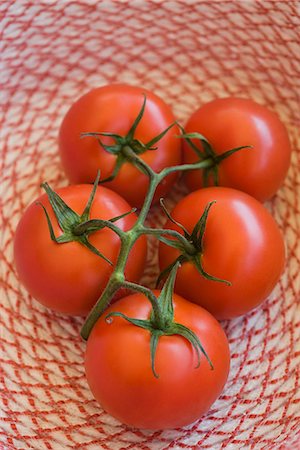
x=129, y=149
x=75, y=227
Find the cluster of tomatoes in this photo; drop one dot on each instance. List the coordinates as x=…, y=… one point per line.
x=227, y=249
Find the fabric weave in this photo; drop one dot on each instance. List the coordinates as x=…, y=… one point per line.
x=187, y=52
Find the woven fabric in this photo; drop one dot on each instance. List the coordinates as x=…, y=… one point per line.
x=188, y=52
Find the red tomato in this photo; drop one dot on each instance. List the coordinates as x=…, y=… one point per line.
x=228, y=123
x=118, y=366
x=114, y=109
x=68, y=277
x=242, y=244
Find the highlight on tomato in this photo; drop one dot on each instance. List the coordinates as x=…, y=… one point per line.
x=104, y=130
x=157, y=374
x=233, y=253
x=217, y=129
x=63, y=254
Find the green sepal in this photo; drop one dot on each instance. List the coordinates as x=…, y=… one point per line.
x=86, y=212
x=118, y=164
x=84, y=241
x=167, y=326
x=113, y=149
x=66, y=217
x=98, y=224
x=131, y=132
x=75, y=227
x=157, y=138
x=171, y=243
x=165, y=298
x=197, y=263
x=192, y=249
x=210, y=154
x=228, y=153
x=188, y=334
x=208, y=149
x=138, y=147
x=198, y=231
x=125, y=147
x=137, y=322
x=50, y=227
x=207, y=153
x=166, y=271
x=162, y=204
x=155, y=334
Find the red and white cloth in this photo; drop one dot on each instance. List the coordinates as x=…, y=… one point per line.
x=187, y=52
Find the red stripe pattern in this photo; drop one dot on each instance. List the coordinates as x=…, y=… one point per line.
x=188, y=52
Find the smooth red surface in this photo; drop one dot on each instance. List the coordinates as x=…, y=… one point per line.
x=118, y=367
x=228, y=123
x=68, y=277
x=242, y=244
x=114, y=108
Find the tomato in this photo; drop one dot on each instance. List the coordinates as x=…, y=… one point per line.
x=119, y=373
x=114, y=108
x=228, y=123
x=69, y=277
x=242, y=244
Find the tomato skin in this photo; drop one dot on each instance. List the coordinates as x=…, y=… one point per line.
x=114, y=108
x=232, y=122
x=68, y=277
x=118, y=367
x=242, y=244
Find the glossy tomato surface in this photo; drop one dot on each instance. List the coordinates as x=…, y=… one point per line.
x=68, y=277
x=114, y=109
x=228, y=123
x=242, y=244
x=118, y=366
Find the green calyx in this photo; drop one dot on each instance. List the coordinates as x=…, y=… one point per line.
x=126, y=148
x=190, y=245
x=207, y=153
x=76, y=227
x=161, y=321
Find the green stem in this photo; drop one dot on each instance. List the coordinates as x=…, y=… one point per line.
x=205, y=163
x=156, y=309
x=95, y=224
x=116, y=281
x=132, y=156
x=111, y=288
x=154, y=182
x=129, y=237
x=172, y=233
